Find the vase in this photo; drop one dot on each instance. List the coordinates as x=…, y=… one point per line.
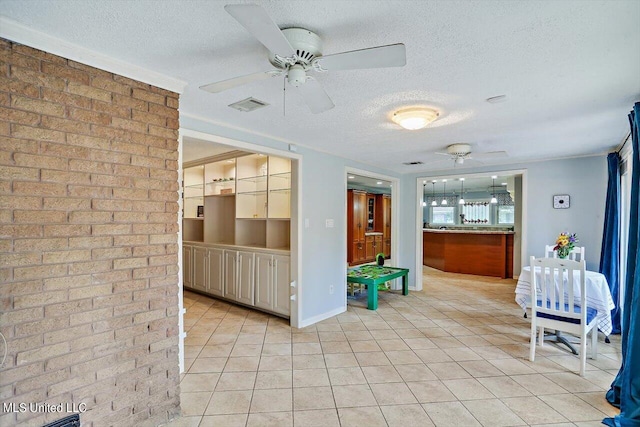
x=563, y=252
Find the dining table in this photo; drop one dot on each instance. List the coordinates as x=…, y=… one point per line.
x=597, y=288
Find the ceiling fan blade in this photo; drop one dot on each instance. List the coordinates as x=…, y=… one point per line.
x=490, y=154
x=442, y=154
x=315, y=96
x=238, y=81
x=256, y=20
x=393, y=55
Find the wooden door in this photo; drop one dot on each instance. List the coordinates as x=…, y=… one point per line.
x=370, y=253
x=356, y=225
x=386, y=220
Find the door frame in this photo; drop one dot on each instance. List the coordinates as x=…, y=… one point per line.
x=419, y=220
x=296, y=230
x=395, y=213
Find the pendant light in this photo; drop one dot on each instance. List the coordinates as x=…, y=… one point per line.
x=433, y=194
x=461, y=201
x=493, y=190
x=444, y=192
x=424, y=200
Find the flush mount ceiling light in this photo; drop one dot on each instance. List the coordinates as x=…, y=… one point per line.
x=414, y=118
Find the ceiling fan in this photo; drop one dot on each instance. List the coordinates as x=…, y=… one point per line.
x=461, y=152
x=295, y=52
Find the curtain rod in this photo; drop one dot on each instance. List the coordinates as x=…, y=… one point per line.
x=624, y=143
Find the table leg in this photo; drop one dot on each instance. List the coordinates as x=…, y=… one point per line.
x=372, y=297
x=558, y=338
x=405, y=285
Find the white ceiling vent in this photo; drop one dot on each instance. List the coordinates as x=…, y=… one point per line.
x=249, y=104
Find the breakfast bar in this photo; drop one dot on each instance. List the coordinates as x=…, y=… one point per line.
x=469, y=251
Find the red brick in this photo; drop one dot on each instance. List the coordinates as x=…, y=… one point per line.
x=40, y=188
x=18, y=116
x=71, y=126
x=66, y=230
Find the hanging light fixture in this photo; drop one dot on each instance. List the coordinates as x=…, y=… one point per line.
x=444, y=192
x=461, y=201
x=424, y=199
x=493, y=190
x=433, y=194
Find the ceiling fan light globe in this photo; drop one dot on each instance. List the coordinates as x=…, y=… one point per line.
x=296, y=76
x=414, y=118
x=459, y=160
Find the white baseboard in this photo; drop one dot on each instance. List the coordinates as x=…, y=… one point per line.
x=320, y=317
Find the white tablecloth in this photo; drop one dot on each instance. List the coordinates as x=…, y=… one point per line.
x=598, y=295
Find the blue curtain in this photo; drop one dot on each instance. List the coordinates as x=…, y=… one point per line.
x=625, y=390
x=610, y=252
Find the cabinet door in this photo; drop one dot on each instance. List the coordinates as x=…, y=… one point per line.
x=215, y=271
x=200, y=268
x=230, y=275
x=245, y=278
x=387, y=248
x=187, y=267
x=263, y=282
x=359, y=215
x=369, y=251
x=281, y=267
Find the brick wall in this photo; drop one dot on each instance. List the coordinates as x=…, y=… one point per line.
x=88, y=242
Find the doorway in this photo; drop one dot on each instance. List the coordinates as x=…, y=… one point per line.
x=474, y=202
x=263, y=230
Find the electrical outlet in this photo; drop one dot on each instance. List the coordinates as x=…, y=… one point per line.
x=331, y=289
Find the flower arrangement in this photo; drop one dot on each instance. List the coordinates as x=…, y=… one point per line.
x=565, y=244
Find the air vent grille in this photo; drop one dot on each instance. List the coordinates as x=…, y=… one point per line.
x=413, y=163
x=247, y=105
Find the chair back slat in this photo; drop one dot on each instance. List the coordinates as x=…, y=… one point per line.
x=554, y=285
x=577, y=254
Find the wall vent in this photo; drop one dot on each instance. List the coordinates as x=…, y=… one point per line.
x=413, y=163
x=249, y=104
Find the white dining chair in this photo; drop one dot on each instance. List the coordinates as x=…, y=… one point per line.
x=553, y=305
x=577, y=254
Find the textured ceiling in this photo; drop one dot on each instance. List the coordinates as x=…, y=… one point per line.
x=570, y=70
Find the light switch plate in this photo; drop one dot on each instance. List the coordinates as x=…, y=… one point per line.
x=329, y=223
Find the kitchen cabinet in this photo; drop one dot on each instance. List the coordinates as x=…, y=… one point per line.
x=373, y=246
x=356, y=225
x=368, y=226
x=272, y=283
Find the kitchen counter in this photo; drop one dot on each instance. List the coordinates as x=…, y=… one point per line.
x=469, y=231
x=480, y=252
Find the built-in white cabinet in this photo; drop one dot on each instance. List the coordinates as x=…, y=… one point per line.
x=187, y=267
x=259, y=279
x=238, y=274
x=272, y=283
x=215, y=270
x=199, y=259
x=244, y=201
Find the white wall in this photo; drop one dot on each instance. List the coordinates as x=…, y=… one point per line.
x=323, y=196
x=584, y=179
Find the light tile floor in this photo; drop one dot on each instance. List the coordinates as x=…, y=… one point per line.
x=455, y=354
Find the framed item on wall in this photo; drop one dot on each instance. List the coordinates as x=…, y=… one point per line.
x=561, y=201
x=200, y=213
